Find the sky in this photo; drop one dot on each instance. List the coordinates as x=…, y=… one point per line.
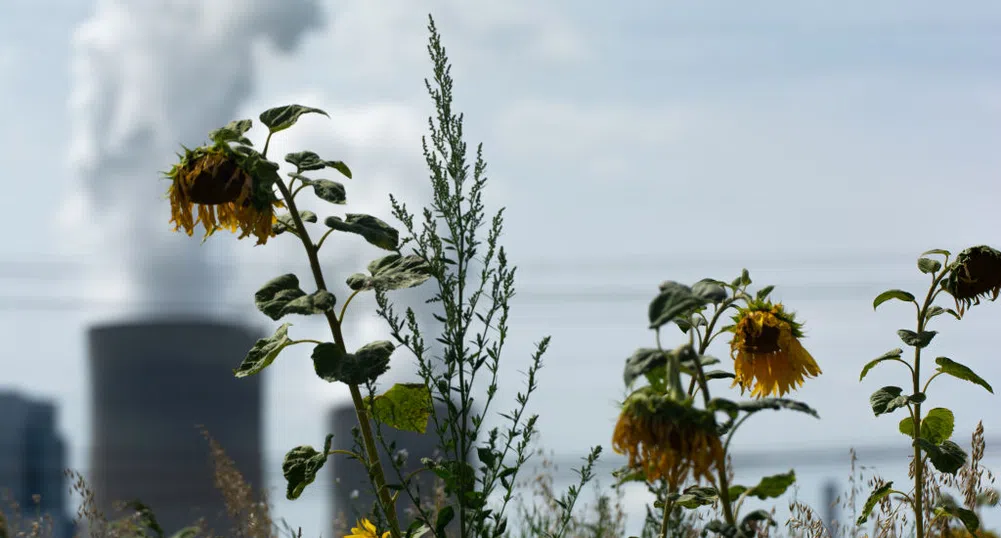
x=823, y=147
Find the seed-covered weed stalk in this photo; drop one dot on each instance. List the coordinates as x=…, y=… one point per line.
x=677, y=434
x=975, y=274
x=473, y=283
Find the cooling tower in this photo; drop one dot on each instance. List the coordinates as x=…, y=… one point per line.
x=152, y=383
x=352, y=493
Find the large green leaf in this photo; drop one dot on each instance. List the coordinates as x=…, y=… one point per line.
x=967, y=517
x=928, y=265
x=282, y=296
x=936, y=426
x=709, y=290
x=946, y=456
x=371, y=228
x=405, y=406
x=326, y=190
x=301, y=465
x=264, y=352
x=393, y=272
x=953, y=368
x=694, y=497
x=232, y=132
x=282, y=117
x=874, y=498
x=304, y=161
x=889, y=355
x=366, y=364
x=887, y=295
x=674, y=301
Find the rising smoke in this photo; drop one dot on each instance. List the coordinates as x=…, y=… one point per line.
x=148, y=76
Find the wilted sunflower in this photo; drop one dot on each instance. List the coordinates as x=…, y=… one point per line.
x=766, y=351
x=365, y=529
x=667, y=439
x=976, y=273
x=226, y=191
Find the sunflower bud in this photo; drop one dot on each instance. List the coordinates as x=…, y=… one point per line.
x=976, y=273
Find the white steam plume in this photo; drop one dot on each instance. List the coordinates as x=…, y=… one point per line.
x=148, y=76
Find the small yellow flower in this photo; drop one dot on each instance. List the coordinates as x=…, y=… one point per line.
x=766, y=351
x=365, y=529
x=666, y=439
x=976, y=273
x=226, y=195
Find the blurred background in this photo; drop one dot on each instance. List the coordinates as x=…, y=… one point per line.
x=821, y=146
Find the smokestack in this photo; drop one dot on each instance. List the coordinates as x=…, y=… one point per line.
x=152, y=383
x=149, y=76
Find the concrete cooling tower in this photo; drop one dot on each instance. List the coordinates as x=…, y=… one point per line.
x=152, y=383
x=351, y=488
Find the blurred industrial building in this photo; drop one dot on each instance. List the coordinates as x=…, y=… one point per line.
x=154, y=383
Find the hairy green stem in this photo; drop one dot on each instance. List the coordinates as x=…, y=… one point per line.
x=724, y=486
x=919, y=467
x=364, y=421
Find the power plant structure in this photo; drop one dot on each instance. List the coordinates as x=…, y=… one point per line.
x=154, y=385
x=33, y=460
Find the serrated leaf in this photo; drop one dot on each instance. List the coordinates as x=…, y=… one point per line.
x=955, y=369
x=406, y=406
x=371, y=228
x=393, y=272
x=285, y=221
x=887, y=399
x=947, y=456
x=301, y=465
x=282, y=296
x=874, y=498
x=928, y=265
x=282, y=117
x=914, y=339
x=889, y=355
x=761, y=404
x=887, y=295
x=674, y=301
x=305, y=161
x=264, y=352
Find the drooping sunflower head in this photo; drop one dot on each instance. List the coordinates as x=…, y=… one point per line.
x=976, y=273
x=667, y=439
x=227, y=191
x=768, y=357
x=365, y=529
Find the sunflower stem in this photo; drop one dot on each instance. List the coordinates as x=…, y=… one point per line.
x=364, y=421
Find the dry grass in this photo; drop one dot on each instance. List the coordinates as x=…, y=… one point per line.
x=537, y=509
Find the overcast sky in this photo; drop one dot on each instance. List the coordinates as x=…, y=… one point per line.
x=823, y=147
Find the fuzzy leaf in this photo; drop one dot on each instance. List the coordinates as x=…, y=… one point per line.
x=282, y=117
x=264, y=352
x=674, y=301
x=393, y=272
x=305, y=161
x=946, y=456
x=889, y=355
x=928, y=265
x=887, y=295
x=232, y=132
x=282, y=296
x=914, y=339
x=371, y=228
x=643, y=360
x=406, y=406
x=773, y=486
x=953, y=368
x=301, y=465
x=286, y=222
x=872, y=501
x=887, y=399
x=326, y=190
x=967, y=517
